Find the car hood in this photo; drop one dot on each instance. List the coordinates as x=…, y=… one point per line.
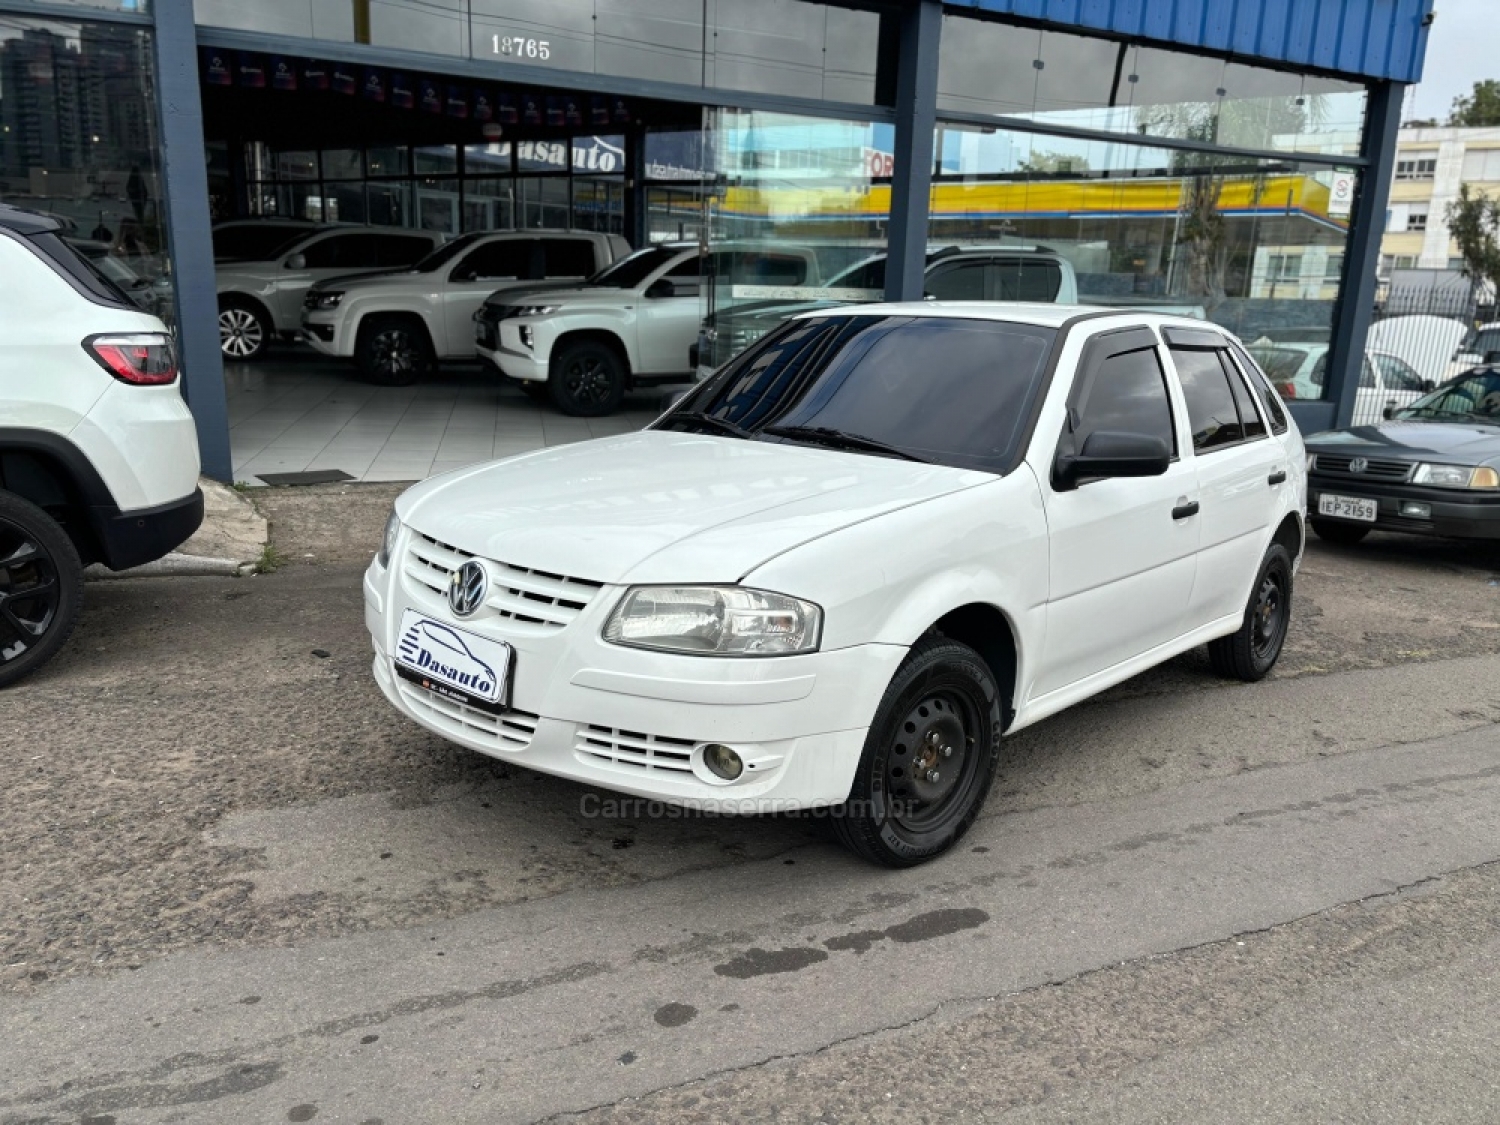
x=562, y=293
x=1464, y=443
x=369, y=279
x=660, y=506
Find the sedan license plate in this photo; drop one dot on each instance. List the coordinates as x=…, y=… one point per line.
x=1347, y=507
x=454, y=663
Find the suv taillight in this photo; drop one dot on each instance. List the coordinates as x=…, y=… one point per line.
x=143, y=359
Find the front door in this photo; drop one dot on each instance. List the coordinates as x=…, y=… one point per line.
x=667, y=324
x=1122, y=549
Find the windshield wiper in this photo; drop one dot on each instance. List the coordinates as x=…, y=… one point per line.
x=842, y=439
x=710, y=422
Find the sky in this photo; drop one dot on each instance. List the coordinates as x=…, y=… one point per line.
x=1463, y=47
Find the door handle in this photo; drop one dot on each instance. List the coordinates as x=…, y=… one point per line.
x=1278, y=477
x=1183, y=511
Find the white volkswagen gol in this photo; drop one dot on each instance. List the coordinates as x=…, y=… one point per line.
x=841, y=568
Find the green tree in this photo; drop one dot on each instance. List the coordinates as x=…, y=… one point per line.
x=1474, y=223
x=1479, y=108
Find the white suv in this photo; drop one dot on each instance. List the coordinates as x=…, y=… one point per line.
x=396, y=326
x=98, y=454
x=634, y=325
x=842, y=567
x=261, y=298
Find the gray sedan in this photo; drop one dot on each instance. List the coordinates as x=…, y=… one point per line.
x=1432, y=469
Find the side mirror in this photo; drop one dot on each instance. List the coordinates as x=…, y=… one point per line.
x=1108, y=453
x=1390, y=412
x=297, y=262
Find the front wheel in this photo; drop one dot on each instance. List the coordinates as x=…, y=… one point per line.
x=1344, y=534
x=41, y=587
x=587, y=379
x=1253, y=649
x=929, y=757
x=393, y=351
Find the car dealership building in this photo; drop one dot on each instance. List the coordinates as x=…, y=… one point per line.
x=1230, y=157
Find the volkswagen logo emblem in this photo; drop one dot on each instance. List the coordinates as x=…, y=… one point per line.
x=1358, y=465
x=467, y=587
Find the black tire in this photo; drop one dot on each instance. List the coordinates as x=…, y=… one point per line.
x=1336, y=531
x=942, y=697
x=587, y=379
x=244, y=330
x=393, y=351
x=41, y=587
x=1253, y=649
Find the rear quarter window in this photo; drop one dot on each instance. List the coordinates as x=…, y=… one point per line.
x=82, y=273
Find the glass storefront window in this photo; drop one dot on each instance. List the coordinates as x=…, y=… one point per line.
x=79, y=142
x=791, y=47
x=489, y=204
x=599, y=204
x=390, y=160
x=139, y=7
x=1255, y=245
x=343, y=164
x=542, y=201
x=1088, y=83
x=435, y=160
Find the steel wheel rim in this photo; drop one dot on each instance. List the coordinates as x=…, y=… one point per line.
x=938, y=736
x=395, y=351
x=240, y=334
x=29, y=591
x=1269, y=616
x=587, y=380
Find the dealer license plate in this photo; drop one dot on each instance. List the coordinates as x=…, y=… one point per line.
x=1347, y=507
x=454, y=663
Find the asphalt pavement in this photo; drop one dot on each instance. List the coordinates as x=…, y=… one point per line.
x=234, y=886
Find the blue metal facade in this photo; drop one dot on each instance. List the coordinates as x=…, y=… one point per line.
x=1374, y=39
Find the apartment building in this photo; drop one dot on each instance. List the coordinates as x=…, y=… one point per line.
x=1430, y=166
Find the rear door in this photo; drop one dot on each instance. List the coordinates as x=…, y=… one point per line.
x=1123, y=550
x=1240, y=471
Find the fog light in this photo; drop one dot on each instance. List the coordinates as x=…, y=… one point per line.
x=722, y=761
x=528, y=340
x=1412, y=510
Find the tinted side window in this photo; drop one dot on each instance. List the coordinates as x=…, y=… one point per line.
x=1268, y=396
x=688, y=268
x=401, y=250
x=1250, y=419
x=568, y=257
x=871, y=275
x=506, y=258
x=1028, y=281
x=1211, y=411
x=1127, y=394
x=958, y=283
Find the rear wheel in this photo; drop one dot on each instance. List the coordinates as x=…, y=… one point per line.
x=1252, y=650
x=41, y=587
x=1335, y=531
x=393, y=351
x=587, y=379
x=244, y=331
x=928, y=759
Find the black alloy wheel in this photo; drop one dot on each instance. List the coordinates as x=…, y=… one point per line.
x=1252, y=650
x=393, y=353
x=41, y=587
x=587, y=380
x=929, y=757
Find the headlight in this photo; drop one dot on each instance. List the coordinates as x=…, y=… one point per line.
x=324, y=299
x=388, y=540
x=714, y=621
x=534, y=310
x=1456, y=476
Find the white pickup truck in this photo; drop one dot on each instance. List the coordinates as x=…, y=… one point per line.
x=397, y=326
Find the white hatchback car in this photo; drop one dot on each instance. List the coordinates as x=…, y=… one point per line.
x=841, y=568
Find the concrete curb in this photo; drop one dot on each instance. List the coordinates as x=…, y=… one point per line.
x=175, y=565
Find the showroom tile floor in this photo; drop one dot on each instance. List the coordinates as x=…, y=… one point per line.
x=297, y=412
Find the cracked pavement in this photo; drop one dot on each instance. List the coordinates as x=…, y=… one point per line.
x=235, y=887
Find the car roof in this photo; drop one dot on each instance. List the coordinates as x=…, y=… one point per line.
x=1016, y=312
x=26, y=222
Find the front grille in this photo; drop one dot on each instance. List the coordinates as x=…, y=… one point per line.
x=512, y=730
x=646, y=752
x=1338, y=465
x=539, y=599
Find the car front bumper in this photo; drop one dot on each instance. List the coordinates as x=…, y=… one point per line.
x=320, y=331
x=1451, y=513
x=636, y=722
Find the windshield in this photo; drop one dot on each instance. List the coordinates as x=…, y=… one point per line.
x=945, y=389
x=629, y=272
x=256, y=242
x=1470, y=398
